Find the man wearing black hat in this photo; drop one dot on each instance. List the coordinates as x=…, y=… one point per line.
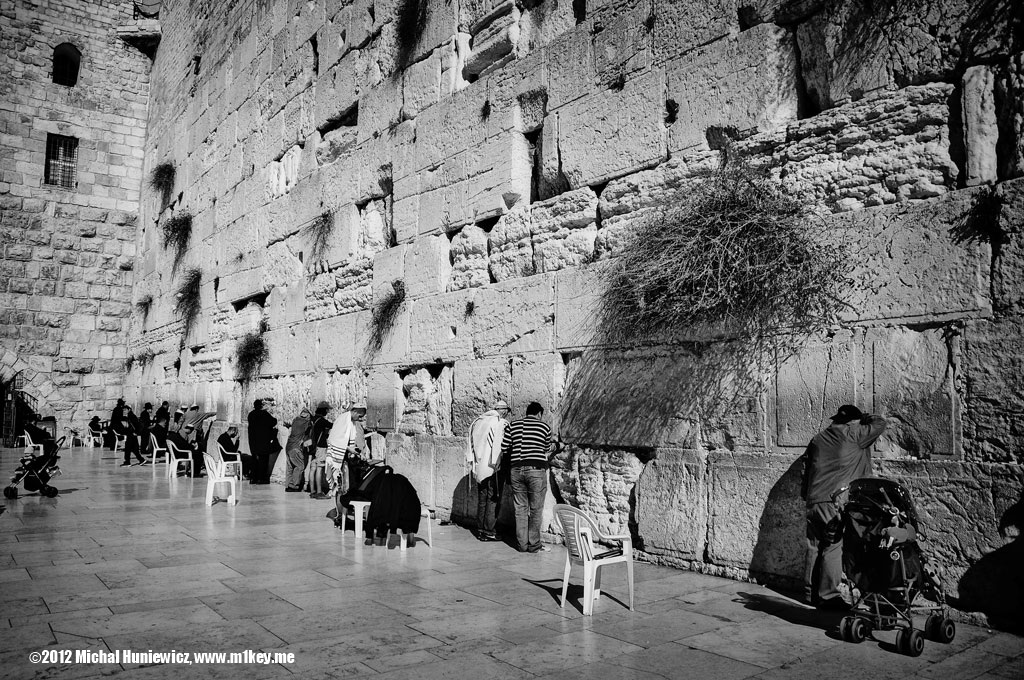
x=835, y=457
x=262, y=435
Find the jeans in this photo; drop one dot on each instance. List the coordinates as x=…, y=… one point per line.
x=487, y=504
x=823, y=569
x=296, y=467
x=529, y=487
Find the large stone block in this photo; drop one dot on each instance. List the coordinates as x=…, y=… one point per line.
x=469, y=259
x=916, y=260
x=501, y=172
x=756, y=517
x=291, y=350
x=671, y=504
x=614, y=131
x=1010, y=92
x=981, y=128
x=428, y=266
x=510, y=243
x=540, y=378
x=1008, y=264
x=427, y=408
x=451, y=481
x=421, y=85
x=745, y=82
x=514, y=316
x=413, y=456
x=478, y=384
x=602, y=483
x=678, y=28
x=336, y=342
x=388, y=267
x=564, y=230
x=994, y=364
x=384, y=399
x=440, y=328
x=812, y=384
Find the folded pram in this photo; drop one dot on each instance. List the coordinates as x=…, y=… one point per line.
x=883, y=561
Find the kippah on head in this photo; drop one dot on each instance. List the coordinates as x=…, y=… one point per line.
x=534, y=409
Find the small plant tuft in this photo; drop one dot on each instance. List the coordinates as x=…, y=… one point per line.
x=250, y=354
x=618, y=83
x=737, y=253
x=485, y=110
x=411, y=18
x=177, y=233
x=470, y=308
x=189, y=301
x=318, y=234
x=649, y=22
x=129, y=361
x=144, y=304
x=385, y=314
x=162, y=181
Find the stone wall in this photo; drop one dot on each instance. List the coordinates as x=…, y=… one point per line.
x=490, y=162
x=66, y=255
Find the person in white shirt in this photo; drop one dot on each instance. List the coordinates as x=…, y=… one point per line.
x=483, y=453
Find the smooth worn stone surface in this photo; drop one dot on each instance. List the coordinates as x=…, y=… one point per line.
x=272, y=575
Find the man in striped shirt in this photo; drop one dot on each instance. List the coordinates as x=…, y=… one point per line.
x=526, y=446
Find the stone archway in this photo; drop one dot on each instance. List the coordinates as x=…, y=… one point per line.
x=37, y=383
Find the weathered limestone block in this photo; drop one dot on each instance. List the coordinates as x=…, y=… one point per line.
x=671, y=504
x=339, y=184
x=242, y=284
x=413, y=457
x=851, y=48
x=285, y=304
x=981, y=129
x=450, y=483
x=406, y=210
x=540, y=378
x=384, y=399
x=511, y=246
x=912, y=374
x=473, y=14
x=421, y=85
x=282, y=265
x=1010, y=93
x=388, y=267
x=570, y=67
x=1008, y=265
x=541, y=24
x=387, y=343
x=514, y=316
x=469, y=259
x=577, y=301
x=962, y=510
x=282, y=175
x=564, y=229
x=336, y=342
x=500, y=170
x=335, y=145
x=627, y=202
x=613, y=132
x=678, y=28
x=478, y=384
x=342, y=389
x=441, y=328
x=444, y=208
x=428, y=266
x=601, y=483
x=374, y=227
x=757, y=517
x=379, y=109
x=493, y=39
x=291, y=350
x=916, y=260
x=994, y=364
x=853, y=156
x=439, y=24
x=428, y=401
x=320, y=290
x=746, y=82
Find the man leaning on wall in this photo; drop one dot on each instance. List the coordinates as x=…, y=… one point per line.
x=526, y=446
x=483, y=452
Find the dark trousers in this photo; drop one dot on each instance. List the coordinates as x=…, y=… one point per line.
x=296, y=468
x=487, y=505
x=529, y=487
x=131, y=446
x=260, y=465
x=823, y=569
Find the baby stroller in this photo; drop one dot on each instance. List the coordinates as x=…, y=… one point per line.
x=35, y=470
x=881, y=558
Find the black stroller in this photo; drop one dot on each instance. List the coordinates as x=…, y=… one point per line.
x=35, y=470
x=881, y=558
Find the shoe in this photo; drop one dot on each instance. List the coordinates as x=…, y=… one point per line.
x=542, y=549
x=125, y=465
x=487, y=538
x=380, y=540
x=834, y=604
x=368, y=542
x=290, y=489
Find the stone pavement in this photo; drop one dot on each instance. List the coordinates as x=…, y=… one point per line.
x=125, y=559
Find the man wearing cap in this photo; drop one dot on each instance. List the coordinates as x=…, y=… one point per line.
x=298, y=435
x=835, y=457
x=262, y=430
x=347, y=438
x=483, y=451
x=146, y=423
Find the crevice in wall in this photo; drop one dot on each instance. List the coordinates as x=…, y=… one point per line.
x=347, y=118
x=808, y=104
x=957, y=141
x=260, y=299
x=316, y=55
x=671, y=112
x=579, y=11
x=534, y=141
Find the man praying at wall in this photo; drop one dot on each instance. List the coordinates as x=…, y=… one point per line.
x=526, y=446
x=483, y=453
x=835, y=457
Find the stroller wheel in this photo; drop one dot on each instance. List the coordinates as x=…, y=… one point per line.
x=910, y=641
x=859, y=630
x=844, y=627
x=10, y=492
x=49, y=491
x=940, y=629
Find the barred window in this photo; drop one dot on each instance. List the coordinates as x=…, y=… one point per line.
x=66, y=60
x=61, y=161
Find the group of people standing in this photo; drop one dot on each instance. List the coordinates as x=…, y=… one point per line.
x=317, y=449
x=518, y=454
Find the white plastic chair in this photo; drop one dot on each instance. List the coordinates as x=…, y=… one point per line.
x=94, y=439
x=156, y=450
x=581, y=532
x=429, y=513
x=30, y=445
x=176, y=457
x=216, y=474
x=232, y=465
x=120, y=440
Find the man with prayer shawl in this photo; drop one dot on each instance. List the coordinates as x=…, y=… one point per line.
x=483, y=451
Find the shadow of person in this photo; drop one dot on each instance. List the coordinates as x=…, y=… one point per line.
x=994, y=585
x=464, y=502
x=792, y=612
x=781, y=534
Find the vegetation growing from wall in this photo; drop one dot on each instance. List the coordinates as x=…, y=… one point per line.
x=162, y=181
x=412, y=17
x=318, y=235
x=737, y=254
x=189, y=301
x=385, y=314
x=250, y=354
x=143, y=305
x=177, y=233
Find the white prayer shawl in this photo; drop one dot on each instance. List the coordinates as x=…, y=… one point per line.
x=483, y=451
x=339, y=437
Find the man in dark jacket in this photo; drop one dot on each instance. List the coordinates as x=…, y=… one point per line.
x=39, y=435
x=145, y=423
x=262, y=436
x=128, y=427
x=835, y=457
x=296, y=450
